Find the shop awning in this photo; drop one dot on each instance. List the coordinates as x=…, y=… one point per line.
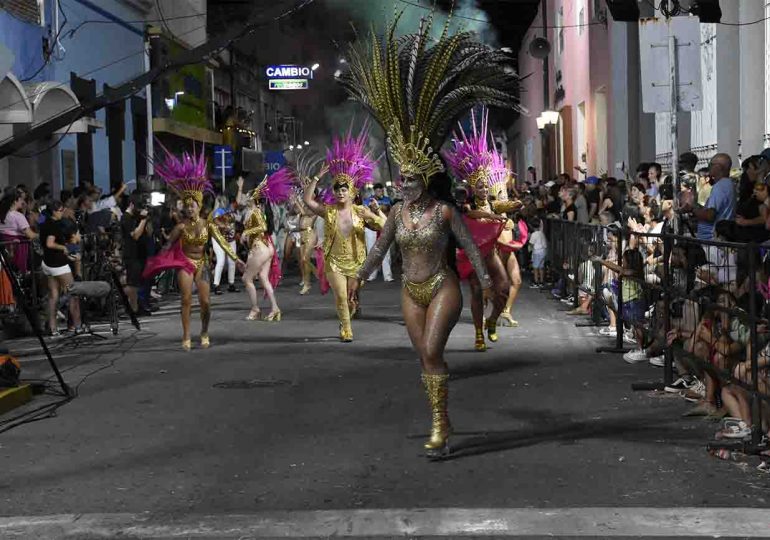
x=51, y=99
x=180, y=129
x=15, y=107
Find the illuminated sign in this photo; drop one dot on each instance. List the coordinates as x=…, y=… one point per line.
x=288, y=84
x=289, y=72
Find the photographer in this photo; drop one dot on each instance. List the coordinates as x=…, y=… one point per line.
x=136, y=232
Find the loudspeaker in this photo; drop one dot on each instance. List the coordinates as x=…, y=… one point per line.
x=624, y=10
x=539, y=48
x=708, y=11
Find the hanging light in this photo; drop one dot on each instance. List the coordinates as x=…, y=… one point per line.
x=551, y=117
x=541, y=122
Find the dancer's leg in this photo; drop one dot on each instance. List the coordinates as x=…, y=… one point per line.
x=185, y=282
x=477, y=312
x=440, y=317
x=371, y=239
x=256, y=258
x=264, y=258
x=339, y=286
x=501, y=286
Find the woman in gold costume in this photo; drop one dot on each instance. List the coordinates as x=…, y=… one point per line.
x=185, y=250
x=257, y=234
x=344, y=244
x=416, y=88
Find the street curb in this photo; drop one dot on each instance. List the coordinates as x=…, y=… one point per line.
x=10, y=398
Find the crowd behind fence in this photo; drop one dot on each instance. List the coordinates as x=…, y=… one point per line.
x=698, y=309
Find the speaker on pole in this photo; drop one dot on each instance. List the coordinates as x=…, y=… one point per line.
x=708, y=11
x=624, y=10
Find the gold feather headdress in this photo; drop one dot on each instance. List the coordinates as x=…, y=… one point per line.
x=416, y=90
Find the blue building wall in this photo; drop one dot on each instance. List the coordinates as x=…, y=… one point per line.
x=109, y=50
x=117, y=45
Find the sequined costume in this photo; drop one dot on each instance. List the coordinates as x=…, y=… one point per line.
x=416, y=87
x=345, y=255
x=424, y=252
x=187, y=177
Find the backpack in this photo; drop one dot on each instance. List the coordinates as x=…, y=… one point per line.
x=9, y=371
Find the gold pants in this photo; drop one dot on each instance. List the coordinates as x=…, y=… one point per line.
x=339, y=285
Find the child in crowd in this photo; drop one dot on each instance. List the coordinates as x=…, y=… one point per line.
x=539, y=245
x=634, y=307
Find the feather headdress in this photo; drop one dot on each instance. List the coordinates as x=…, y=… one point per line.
x=417, y=90
x=186, y=175
x=470, y=159
x=278, y=187
x=349, y=162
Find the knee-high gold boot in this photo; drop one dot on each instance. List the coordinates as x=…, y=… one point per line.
x=343, y=314
x=437, y=389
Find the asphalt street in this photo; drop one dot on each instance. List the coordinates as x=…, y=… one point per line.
x=277, y=418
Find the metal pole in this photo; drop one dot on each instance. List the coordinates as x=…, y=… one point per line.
x=223, y=170
x=546, y=133
x=674, y=109
x=148, y=101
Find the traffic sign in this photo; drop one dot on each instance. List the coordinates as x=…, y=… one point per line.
x=223, y=163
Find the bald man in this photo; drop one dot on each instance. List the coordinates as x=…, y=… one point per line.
x=721, y=203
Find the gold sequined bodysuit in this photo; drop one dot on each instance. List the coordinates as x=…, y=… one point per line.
x=345, y=255
x=424, y=251
x=192, y=236
x=256, y=228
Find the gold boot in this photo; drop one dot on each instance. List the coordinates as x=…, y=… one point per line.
x=346, y=333
x=186, y=344
x=492, y=330
x=205, y=341
x=480, y=345
x=437, y=389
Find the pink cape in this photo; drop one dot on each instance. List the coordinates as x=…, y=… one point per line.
x=169, y=259
x=319, y=268
x=485, y=234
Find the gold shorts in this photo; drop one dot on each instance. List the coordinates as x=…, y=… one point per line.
x=423, y=293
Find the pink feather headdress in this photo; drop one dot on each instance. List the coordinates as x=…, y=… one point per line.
x=472, y=159
x=348, y=160
x=326, y=196
x=278, y=187
x=187, y=176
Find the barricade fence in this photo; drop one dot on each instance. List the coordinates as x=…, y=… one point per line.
x=695, y=307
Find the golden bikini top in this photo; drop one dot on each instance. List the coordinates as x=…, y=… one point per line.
x=192, y=237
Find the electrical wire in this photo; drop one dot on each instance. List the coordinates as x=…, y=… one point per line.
x=49, y=147
x=49, y=53
x=456, y=16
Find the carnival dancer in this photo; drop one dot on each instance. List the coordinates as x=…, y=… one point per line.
x=185, y=250
x=263, y=260
x=344, y=245
x=307, y=242
x=416, y=88
x=471, y=162
x=513, y=238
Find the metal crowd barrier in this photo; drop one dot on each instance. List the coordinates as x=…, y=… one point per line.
x=703, y=305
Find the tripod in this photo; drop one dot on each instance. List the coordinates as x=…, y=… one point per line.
x=18, y=293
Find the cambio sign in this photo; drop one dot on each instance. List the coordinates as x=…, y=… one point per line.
x=289, y=72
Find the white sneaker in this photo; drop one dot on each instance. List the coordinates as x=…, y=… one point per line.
x=658, y=361
x=608, y=331
x=736, y=431
x=628, y=337
x=636, y=356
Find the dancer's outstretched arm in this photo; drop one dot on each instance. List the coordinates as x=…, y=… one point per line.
x=309, y=191
x=378, y=251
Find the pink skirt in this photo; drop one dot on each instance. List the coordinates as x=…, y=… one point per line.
x=516, y=245
x=485, y=234
x=319, y=269
x=169, y=259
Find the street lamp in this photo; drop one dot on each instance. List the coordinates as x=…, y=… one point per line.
x=291, y=147
x=343, y=61
x=299, y=147
x=315, y=66
x=307, y=143
x=337, y=74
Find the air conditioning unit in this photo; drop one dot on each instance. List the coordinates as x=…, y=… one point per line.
x=251, y=160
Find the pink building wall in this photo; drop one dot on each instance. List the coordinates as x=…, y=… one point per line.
x=584, y=65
